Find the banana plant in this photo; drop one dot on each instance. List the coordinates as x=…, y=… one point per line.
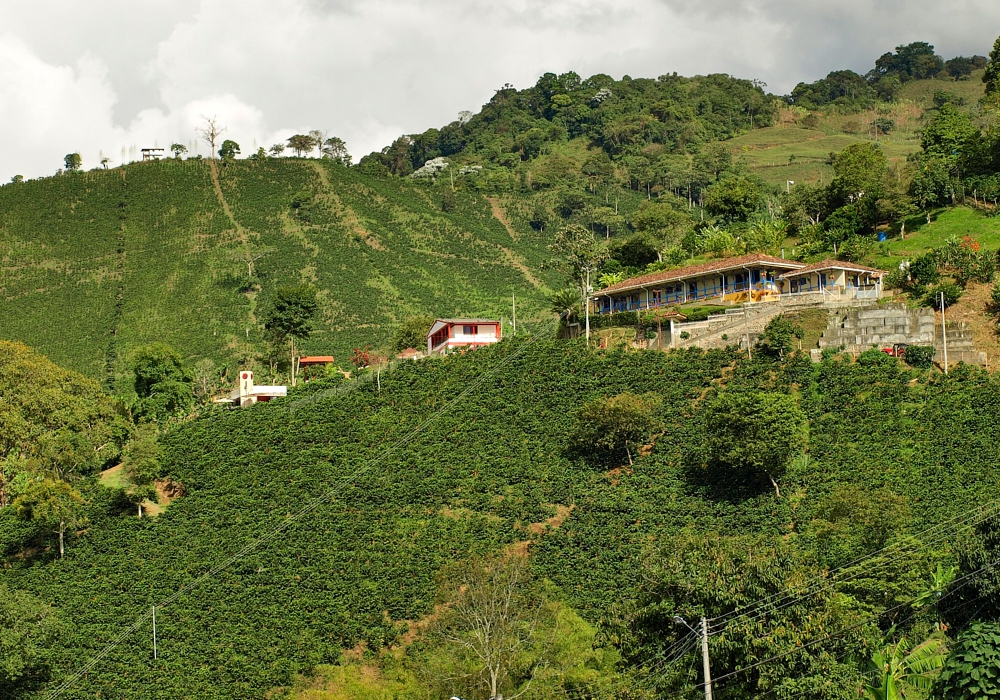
x=896, y=673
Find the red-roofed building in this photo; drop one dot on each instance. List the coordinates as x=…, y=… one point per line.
x=835, y=276
x=461, y=333
x=729, y=279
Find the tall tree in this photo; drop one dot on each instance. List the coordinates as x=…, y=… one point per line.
x=577, y=251
x=860, y=169
x=73, y=161
x=616, y=422
x=141, y=465
x=492, y=613
x=992, y=75
x=229, y=150
x=754, y=431
x=318, y=137
x=164, y=385
x=54, y=504
x=291, y=316
x=336, y=149
x=29, y=629
x=209, y=132
x=301, y=144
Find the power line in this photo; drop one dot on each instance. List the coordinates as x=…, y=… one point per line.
x=293, y=519
x=773, y=692
x=827, y=577
x=907, y=546
x=847, y=629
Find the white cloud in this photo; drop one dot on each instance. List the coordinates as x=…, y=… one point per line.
x=131, y=74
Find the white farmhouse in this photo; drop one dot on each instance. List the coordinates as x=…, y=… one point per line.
x=449, y=334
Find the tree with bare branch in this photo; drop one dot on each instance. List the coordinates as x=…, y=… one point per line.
x=318, y=138
x=493, y=622
x=209, y=132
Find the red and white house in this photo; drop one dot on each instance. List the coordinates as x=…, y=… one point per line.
x=248, y=393
x=448, y=334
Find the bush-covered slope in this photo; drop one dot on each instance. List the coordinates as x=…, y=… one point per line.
x=186, y=251
x=890, y=452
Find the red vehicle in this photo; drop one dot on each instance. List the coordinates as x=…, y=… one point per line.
x=897, y=350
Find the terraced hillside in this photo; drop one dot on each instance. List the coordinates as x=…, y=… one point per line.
x=96, y=263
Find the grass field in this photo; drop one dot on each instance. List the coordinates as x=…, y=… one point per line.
x=790, y=151
x=945, y=223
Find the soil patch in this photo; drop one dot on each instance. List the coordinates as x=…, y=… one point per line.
x=499, y=215
x=973, y=310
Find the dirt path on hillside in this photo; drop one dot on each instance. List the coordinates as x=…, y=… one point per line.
x=517, y=262
x=350, y=217
x=241, y=233
x=499, y=215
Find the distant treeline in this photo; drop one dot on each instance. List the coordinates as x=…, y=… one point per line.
x=910, y=62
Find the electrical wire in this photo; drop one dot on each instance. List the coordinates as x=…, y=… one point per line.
x=774, y=693
x=966, y=579
x=782, y=600
x=293, y=519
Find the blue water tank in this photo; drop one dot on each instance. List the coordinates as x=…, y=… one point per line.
x=882, y=235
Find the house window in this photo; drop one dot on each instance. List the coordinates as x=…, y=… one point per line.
x=469, y=330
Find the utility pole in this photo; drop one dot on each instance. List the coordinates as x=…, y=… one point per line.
x=154, y=632
x=513, y=307
x=586, y=302
x=944, y=336
x=746, y=329
x=704, y=659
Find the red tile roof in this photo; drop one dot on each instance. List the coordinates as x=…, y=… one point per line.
x=703, y=268
x=316, y=360
x=831, y=265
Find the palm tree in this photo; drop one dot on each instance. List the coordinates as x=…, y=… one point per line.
x=897, y=674
x=566, y=304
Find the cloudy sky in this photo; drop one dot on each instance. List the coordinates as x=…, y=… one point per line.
x=106, y=77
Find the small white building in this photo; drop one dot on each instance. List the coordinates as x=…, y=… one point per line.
x=447, y=334
x=248, y=393
x=152, y=153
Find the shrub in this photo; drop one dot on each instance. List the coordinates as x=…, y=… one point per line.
x=412, y=333
x=614, y=423
x=754, y=432
x=919, y=356
x=952, y=293
x=995, y=296
x=778, y=337
x=973, y=667
x=923, y=269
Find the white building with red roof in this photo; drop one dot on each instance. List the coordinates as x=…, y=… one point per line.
x=447, y=334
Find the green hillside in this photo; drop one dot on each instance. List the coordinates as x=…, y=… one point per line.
x=890, y=453
x=183, y=252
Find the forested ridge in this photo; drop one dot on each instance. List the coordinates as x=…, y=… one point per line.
x=833, y=522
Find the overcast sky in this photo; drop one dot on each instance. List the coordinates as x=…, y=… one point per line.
x=101, y=76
